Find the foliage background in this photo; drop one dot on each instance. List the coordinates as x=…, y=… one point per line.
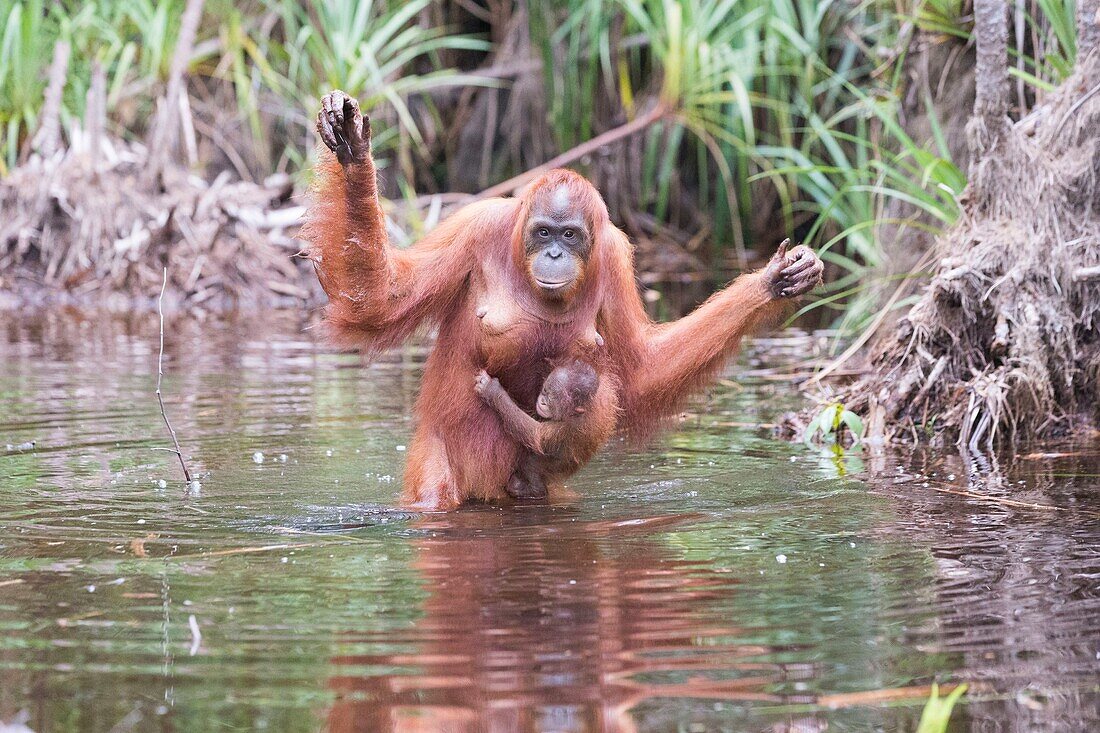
x=835, y=122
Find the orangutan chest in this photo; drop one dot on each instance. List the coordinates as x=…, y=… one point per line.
x=509, y=336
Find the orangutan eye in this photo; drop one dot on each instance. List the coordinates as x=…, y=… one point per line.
x=544, y=232
x=568, y=234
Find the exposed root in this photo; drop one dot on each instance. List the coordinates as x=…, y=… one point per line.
x=1003, y=344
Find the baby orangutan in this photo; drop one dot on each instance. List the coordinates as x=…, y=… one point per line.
x=568, y=434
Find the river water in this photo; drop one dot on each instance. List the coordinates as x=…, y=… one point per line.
x=717, y=580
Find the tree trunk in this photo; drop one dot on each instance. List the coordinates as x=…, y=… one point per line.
x=991, y=76
x=1088, y=27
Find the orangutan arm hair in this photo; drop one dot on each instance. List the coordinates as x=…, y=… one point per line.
x=520, y=426
x=379, y=294
x=661, y=365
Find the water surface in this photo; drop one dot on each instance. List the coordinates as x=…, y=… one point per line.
x=715, y=581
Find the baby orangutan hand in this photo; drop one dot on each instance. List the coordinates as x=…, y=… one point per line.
x=485, y=385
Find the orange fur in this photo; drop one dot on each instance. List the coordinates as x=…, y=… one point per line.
x=379, y=295
x=553, y=450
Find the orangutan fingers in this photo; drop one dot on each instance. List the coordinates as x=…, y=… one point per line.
x=781, y=253
x=324, y=129
x=806, y=261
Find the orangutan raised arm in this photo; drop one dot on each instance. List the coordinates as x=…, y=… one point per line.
x=669, y=361
x=379, y=294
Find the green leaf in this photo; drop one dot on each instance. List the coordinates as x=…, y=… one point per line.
x=811, y=430
x=937, y=711
x=854, y=423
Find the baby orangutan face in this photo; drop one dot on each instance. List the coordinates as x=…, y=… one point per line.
x=567, y=391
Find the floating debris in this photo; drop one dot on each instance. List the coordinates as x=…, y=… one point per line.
x=196, y=634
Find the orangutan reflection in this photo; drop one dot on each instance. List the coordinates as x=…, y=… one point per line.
x=537, y=620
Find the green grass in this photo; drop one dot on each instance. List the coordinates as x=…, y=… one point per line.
x=277, y=58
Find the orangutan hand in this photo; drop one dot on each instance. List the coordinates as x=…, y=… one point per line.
x=343, y=128
x=793, y=273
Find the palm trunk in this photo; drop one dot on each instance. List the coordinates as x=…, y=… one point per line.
x=991, y=76
x=1088, y=28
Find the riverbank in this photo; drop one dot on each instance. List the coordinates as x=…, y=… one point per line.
x=88, y=228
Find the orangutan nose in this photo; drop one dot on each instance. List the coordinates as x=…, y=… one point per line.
x=554, y=252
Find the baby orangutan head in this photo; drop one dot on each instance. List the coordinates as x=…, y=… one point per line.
x=567, y=391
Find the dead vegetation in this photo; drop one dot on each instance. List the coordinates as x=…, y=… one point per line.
x=1003, y=344
x=73, y=233
x=99, y=220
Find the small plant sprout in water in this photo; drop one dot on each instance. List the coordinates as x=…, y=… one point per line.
x=937, y=711
x=828, y=426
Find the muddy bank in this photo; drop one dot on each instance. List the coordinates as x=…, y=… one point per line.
x=1002, y=345
x=82, y=229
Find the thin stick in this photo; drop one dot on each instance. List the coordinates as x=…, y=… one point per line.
x=160, y=375
x=251, y=550
x=1076, y=106
x=1087, y=273
x=196, y=635
x=96, y=115
x=1014, y=502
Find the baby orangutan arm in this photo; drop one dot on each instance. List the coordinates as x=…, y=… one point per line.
x=523, y=428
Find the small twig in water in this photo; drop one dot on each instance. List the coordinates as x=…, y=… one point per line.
x=196, y=635
x=1014, y=502
x=249, y=550
x=160, y=375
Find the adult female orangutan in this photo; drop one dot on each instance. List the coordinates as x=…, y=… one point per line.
x=512, y=283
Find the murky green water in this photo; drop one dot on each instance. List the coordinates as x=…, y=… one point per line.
x=718, y=581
